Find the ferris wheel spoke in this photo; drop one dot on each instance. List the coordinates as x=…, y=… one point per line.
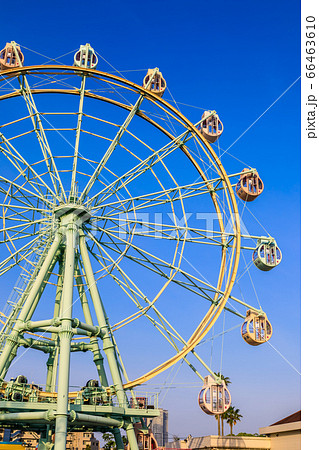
x=18, y=256
x=116, y=264
x=38, y=128
x=168, y=332
x=95, y=229
x=133, y=292
x=115, y=141
x=149, y=259
x=124, y=180
x=161, y=197
x=138, y=170
x=164, y=196
x=15, y=209
x=17, y=236
x=77, y=135
x=163, y=326
x=108, y=264
x=29, y=173
x=19, y=227
x=42, y=139
x=9, y=213
x=179, y=233
x=13, y=189
x=242, y=303
x=125, y=283
x=161, y=267
x=143, y=262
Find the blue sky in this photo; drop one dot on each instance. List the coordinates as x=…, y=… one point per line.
x=241, y=59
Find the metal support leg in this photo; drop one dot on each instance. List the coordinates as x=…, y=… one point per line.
x=118, y=439
x=52, y=363
x=13, y=354
x=97, y=356
x=65, y=336
x=38, y=297
x=131, y=436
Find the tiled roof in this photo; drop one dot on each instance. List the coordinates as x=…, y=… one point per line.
x=295, y=417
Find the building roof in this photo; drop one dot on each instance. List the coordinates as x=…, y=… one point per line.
x=295, y=417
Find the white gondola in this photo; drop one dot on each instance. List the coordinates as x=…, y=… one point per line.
x=256, y=329
x=214, y=397
x=157, y=85
x=267, y=254
x=211, y=127
x=250, y=185
x=11, y=56
x=86, y=57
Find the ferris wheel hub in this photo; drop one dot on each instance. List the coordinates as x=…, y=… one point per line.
x=79, y=213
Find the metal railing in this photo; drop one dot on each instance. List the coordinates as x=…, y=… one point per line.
x=24, y=392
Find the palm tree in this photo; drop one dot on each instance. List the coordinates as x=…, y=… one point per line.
x=223, y=417
x=233, y=417
x=220, y=417
x=217, y=417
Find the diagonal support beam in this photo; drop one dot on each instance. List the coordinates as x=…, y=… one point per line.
x=97, y=356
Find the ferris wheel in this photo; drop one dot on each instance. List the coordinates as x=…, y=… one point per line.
x=110, y=201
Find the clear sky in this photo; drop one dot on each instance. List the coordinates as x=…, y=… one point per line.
x=241, y=59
